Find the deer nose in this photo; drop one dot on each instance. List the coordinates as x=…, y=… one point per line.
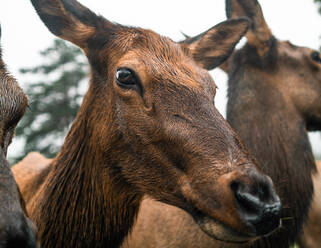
x=258, y=205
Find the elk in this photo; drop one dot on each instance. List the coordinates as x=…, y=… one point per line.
x=146, y=126
x=16, y=230
x=274, y=93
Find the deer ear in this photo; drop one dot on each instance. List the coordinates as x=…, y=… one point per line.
x=70, y=20
x=213, y=47
x=259, y=32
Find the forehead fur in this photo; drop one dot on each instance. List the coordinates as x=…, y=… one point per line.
x=161, y=57
x=295, y=56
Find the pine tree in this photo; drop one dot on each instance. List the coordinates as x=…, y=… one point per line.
x=54, y=98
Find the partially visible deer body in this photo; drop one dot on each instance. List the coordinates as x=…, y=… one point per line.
x=311, y=237
x=274, y=98
x=16, y=230
x=147, y=125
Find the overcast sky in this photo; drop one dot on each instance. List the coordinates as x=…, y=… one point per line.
x=24, y=35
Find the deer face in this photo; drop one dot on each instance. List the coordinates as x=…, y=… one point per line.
x=172, y=143
x=292, y=71
x=150, y=110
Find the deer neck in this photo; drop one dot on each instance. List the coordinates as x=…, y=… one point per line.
x=275, y=134
x=84, y=201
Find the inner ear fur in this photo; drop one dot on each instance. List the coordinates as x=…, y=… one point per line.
x=213, y=47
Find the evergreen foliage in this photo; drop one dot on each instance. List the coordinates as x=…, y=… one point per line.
x=55, y=93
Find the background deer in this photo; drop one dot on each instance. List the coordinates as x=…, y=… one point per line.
x=311, y=237
x=16, y=230
x=147, y=125
x=273, y=100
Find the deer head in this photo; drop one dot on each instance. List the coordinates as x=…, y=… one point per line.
x=149, y=122
x=295, y=72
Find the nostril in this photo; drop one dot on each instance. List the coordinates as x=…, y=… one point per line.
x=258, y=207
x=247, y=202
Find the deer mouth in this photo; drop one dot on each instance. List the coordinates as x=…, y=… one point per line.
x=219, y=231
x=226, y=234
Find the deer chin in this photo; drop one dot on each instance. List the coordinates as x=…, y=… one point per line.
x=221, y=232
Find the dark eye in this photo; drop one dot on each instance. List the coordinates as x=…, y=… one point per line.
x=127, y=79
x=316, y=57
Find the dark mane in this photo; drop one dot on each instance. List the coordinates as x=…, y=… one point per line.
x=85, y=205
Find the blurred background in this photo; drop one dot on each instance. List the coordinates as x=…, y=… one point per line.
x=54, y=73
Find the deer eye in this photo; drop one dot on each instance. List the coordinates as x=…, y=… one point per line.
x=127, y=79
x=316, y=57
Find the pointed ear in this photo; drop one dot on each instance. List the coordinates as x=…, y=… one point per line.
x=259, y=32
x=213, y=47
x=70, y=20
